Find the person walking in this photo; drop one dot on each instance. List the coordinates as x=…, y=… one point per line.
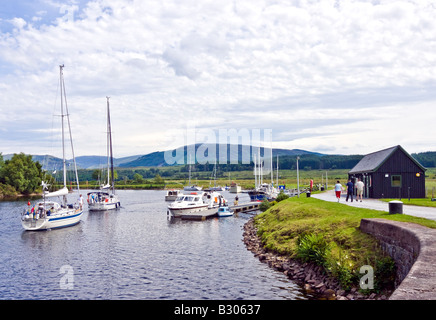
x=338, y=190
x=350, y=189
x=236, y=200
x=359, y=187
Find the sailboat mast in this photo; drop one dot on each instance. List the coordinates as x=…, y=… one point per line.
x=107, y=143
x=64, y=163
x=110, y=152
x=271, y=156
x=63, y=92
x=189, y=170
x=255, y=172
x=277, y=171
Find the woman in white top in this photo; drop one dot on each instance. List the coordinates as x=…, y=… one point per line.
x=338, y=190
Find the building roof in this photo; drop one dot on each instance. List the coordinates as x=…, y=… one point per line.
x=371, y=162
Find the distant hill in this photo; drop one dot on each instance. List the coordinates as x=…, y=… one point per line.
x=310, y=159
x=83, y=162
x=157, y=159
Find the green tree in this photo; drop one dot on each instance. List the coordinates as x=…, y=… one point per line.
x=158, y=179
x=138, y=178
x=96, y=174
x=22, y=173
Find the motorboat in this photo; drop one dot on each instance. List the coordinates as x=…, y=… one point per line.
x=192, y=202
x=173, y=194
x=235, y=188
x=48, y=214
x=224, y=211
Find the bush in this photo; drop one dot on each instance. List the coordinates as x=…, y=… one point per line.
x=342, y=269
x=385, y=273
x=7, y=191
x=265, y=205
x=282, y=196
x=313, y=248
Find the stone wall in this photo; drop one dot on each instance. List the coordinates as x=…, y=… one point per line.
x=413, y=247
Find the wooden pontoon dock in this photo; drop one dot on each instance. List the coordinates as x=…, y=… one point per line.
x=210, y=213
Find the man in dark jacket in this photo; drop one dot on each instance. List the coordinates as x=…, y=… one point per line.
x=350, y=189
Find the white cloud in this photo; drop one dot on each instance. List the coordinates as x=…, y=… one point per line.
x=18, y=22
x=293, y=66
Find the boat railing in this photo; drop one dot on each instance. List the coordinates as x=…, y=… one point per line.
x=35, y=215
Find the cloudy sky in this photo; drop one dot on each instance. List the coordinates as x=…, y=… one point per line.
x=331, y=76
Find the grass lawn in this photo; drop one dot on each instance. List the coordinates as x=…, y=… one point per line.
x=332, y=227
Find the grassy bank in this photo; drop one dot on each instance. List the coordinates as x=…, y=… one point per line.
x=327, y=233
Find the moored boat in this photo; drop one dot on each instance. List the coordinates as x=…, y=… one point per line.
x=172, y=194
x=105, y=198
x=235, y=188
x=102, y=201
x=192, y=202
x=224, y=211
x=47, y=214
x=263, y=192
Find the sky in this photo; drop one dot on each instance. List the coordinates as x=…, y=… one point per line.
x=330, y=76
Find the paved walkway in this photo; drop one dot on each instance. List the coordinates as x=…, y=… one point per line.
x=417, y=211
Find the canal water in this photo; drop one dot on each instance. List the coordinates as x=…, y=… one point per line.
x=136, y=252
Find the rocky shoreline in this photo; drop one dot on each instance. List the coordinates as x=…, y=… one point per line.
x=309, y=276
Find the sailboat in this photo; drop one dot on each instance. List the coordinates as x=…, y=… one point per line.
x=262, y=191
x=105, y=198
x=48, y=214
x=190, y=187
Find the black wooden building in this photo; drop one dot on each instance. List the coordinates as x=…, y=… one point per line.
x=390, y=173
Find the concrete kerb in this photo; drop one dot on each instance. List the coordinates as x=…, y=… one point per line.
x=413, y=247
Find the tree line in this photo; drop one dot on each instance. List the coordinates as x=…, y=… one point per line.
x=427, y=159
x=20, y=174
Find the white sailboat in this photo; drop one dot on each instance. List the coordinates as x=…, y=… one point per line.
x=262, y=191
x=47, y=214
x=105, y=198
x=190, y=187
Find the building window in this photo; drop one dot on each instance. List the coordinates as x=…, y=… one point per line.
x=396, y=181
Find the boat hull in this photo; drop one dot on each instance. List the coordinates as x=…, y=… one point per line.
x=256, y=196
x=179, y=212
x=102, y=201
x=221, y=215
x=225, y=214
x=104, y=206
x=235, y=189
x=61, y=220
